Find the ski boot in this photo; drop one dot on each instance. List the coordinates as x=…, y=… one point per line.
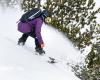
x=40, y=51
x=21, y=42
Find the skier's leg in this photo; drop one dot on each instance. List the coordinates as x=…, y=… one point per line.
x=23, y=39
x=38, y=47
x=37, y=43
x=32, y=34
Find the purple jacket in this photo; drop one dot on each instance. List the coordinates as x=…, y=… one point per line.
x=27, y=27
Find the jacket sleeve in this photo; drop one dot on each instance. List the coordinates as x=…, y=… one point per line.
x=38, y=27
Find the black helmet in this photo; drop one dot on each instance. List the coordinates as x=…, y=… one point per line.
x=45, y=13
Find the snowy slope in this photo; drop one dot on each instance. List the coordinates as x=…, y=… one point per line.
x=20, y=63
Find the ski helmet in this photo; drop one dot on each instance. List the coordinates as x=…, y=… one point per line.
x=45, y=13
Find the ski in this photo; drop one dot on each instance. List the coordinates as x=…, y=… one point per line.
x=52, y=60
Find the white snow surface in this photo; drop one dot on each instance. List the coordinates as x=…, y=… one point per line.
x=21, y=63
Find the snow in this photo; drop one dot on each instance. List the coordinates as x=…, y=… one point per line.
x=20, y=63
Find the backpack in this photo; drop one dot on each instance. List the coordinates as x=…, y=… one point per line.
x=30, y=15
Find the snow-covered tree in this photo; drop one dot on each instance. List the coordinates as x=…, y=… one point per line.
x=72, y=16
x=29, y=4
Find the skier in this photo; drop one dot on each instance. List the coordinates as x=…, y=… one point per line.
x=33, y=28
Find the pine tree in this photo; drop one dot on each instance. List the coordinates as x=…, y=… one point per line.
x=29, y=4
x=72, y=16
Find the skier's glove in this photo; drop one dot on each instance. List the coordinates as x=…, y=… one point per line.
x=42, y=45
